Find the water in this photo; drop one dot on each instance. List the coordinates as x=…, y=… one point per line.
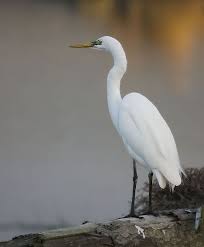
x=60, y=157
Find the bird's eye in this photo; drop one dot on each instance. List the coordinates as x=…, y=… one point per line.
x=97, y=42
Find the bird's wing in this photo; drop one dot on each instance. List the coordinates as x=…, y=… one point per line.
x=148, y=135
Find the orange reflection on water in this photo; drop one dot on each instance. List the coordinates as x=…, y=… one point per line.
x=172, y=27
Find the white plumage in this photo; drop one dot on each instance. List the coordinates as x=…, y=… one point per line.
x=145, y=134
x=149, y=139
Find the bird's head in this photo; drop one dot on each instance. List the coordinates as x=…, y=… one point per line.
x=104, y=43
x=109, y=44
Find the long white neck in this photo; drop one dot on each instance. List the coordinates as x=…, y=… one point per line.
x=113, y=82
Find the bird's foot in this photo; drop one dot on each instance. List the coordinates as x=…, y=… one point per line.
x=150, y=212
x=133, y=215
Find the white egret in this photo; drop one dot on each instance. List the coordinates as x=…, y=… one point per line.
x=144, y=132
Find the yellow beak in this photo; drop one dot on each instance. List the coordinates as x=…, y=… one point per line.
x=82, y=45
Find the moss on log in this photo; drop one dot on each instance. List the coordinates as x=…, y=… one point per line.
x=150, y=231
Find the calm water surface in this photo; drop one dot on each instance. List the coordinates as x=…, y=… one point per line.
x=60, y=158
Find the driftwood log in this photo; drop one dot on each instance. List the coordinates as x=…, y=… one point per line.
x=167, y=230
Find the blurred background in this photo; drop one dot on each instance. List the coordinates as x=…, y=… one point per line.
x=61, y=160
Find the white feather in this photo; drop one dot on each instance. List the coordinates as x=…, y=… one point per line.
x=148, y=136
x=145, y=134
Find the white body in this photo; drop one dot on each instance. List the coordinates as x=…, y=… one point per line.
x=145, y=134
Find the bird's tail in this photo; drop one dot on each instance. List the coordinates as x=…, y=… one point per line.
x=160, y=178
x=171, y=173
x=181, y=170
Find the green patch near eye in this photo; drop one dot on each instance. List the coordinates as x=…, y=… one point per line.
x=97, y=42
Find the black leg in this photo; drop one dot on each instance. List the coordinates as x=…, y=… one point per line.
x=150, y=193
x=132, y=210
